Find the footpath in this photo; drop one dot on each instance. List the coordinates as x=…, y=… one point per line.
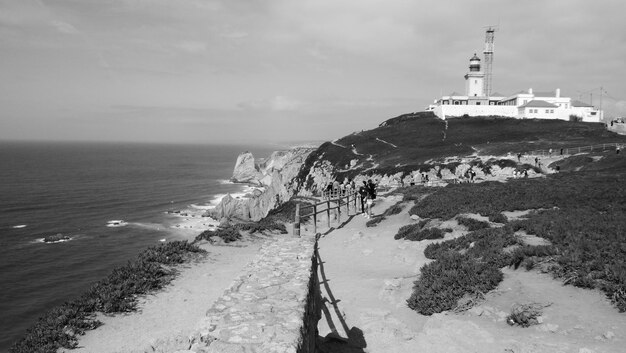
x=270, y=307
x=366, y=276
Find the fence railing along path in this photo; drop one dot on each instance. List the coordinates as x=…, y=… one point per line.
x=333, y=200
x=571, y=150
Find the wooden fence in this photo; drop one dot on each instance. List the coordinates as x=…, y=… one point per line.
x=332, y=201
x=572, y=150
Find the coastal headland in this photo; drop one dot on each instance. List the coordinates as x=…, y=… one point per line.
x=465, y=262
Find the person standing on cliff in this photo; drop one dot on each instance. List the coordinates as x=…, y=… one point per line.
x=363, y=193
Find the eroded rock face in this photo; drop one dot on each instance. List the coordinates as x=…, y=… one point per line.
x=246, y=171
x=273, y=176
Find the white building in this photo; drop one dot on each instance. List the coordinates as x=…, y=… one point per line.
x=521, y=105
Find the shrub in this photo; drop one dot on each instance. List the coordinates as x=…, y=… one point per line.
x=426, y=234
x=374, y=221
x=471, y=223
x=394, y=209
x=525, y=314
x=262, y=226
x=525, y=255
x=227, y=234
x=286, y=212
x=498, y=218
x=407, y=230
x=443, y=282
x=117, y=293
x=485, y=244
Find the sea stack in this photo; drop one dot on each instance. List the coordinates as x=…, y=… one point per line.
x=246, y=170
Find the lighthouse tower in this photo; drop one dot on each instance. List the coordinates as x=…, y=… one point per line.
x=474, y=79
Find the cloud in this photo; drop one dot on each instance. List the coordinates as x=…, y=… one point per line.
x=276, y=104
x=192, y=46
x=64, y=27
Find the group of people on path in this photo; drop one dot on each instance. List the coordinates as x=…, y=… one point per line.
x=366, y=192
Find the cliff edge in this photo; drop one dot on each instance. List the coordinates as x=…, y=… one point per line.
x=273, y=178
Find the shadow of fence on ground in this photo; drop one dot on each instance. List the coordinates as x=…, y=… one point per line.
x=344, y=339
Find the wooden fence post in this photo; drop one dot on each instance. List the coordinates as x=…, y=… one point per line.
x=296, y=225
x=315, y=218
x=339, y=210
x=328, y=212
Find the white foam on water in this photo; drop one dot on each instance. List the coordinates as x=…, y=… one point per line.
x=43, y=240
x=19, y=226
x=202, y=207
x=116, y=223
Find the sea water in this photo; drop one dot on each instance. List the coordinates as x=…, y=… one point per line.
x=110, y=200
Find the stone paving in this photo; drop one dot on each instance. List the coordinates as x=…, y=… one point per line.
x=266, y=309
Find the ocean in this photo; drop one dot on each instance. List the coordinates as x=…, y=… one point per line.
x=111, y=200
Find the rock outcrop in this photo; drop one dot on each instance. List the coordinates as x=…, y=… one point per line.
x=246, y=171
x=274, y=176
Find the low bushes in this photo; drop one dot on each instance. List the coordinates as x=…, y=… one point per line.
x=498, y=218
x=581, y=214
x=527, y=255
x=117, y=293
x=443, y=282
x=227, y=234
x=374, y=221
x=417, y=232
x=471, y=223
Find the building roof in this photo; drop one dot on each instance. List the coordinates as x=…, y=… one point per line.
x=538, y=104
x=475, y=57
x=498, y=94
x=544, y=94
x=576, y=103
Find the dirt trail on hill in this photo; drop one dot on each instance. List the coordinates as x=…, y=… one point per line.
x=366, y=276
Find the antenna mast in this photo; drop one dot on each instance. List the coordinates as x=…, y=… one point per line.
x=489, y=36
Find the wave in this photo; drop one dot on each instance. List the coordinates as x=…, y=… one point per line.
x=57, y=239
x=19, y=226
x=116, y=223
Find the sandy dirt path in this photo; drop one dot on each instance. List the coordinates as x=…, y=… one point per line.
x=366, y=276
x=172, y=314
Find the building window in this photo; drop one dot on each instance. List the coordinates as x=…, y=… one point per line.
x=547, y=111
x=477, y=103
x=475, y=81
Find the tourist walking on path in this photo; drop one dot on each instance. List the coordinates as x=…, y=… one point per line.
x=371, y=196
x=363, y=194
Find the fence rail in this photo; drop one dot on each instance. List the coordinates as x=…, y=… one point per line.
x=572, y=150
x=333, y=201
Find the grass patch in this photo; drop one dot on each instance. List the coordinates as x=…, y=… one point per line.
x=117, y=293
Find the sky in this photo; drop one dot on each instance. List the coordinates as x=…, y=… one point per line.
x=248, y=71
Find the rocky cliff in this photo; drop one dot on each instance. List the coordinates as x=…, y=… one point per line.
x=274, y=177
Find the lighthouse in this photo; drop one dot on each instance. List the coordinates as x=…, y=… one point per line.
x=474, y=79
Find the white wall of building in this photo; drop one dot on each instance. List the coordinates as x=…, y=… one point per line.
x=448, y=111
x=474, y=84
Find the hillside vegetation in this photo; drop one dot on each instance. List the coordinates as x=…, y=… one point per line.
x=416, y=141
